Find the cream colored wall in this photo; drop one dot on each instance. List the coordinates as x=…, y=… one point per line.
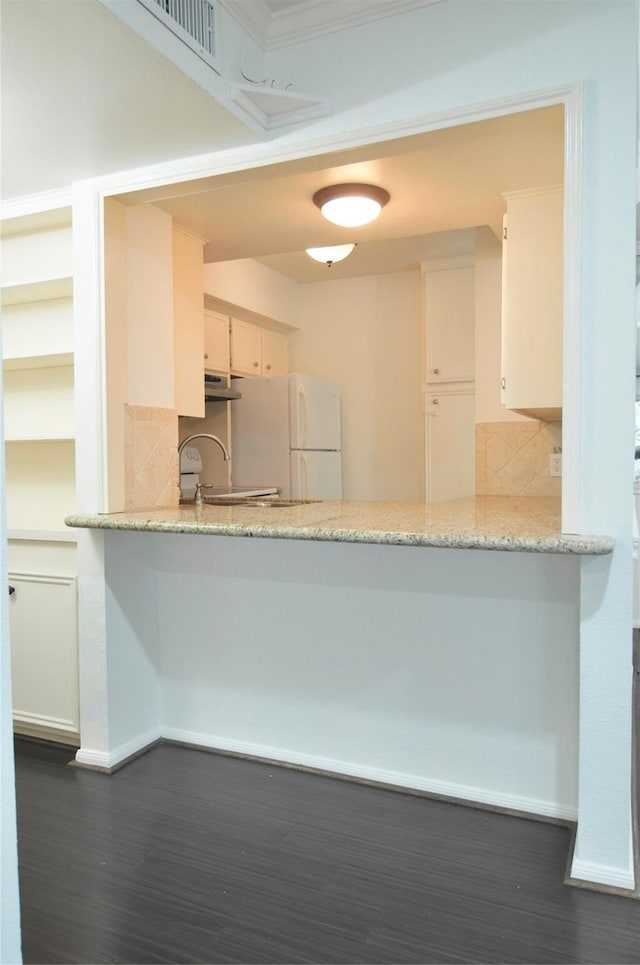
x=139, y=339
x=364, y=334
x=150, y=307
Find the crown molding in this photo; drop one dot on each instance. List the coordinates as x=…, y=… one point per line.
x=311, y=18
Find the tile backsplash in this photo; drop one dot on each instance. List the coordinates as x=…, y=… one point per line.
x=151, y=457
x=512, y=458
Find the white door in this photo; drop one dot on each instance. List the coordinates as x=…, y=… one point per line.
x=314, y=410
x=450, y=325
x=316, y=475
x=451, y=445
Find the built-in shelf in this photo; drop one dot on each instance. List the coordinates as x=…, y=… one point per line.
x=36, y=255
x=37, y=222
x=37, y=361
x=39, y=403
x=40, y=485
x=43, y=535
x=36, y=290
x=38, y=330
x=40, y=438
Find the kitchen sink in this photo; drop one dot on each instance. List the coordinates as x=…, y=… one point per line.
x=262, y=502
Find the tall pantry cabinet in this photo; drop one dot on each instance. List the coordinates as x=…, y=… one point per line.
x=449, y=385
x=37, y=343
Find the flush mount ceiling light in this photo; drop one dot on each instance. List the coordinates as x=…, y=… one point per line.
x=330, y=254
x=351, y=205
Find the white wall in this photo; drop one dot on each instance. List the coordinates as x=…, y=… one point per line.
x=360, y=659
x=364, y=334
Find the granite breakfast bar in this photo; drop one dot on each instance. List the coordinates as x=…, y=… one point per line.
x=428, y=647
x=506, y=523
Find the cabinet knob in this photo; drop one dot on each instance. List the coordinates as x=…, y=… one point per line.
x=255, y=365
x=268, y=367
x=206, y=355
x=435, y=402
x=436, y=371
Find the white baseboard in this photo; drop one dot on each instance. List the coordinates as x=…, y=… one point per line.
x=106, y=760
x=47, y=728
x=602, y=874
x=374, y=775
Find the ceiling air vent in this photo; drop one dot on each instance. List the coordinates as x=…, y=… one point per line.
x=194, y=22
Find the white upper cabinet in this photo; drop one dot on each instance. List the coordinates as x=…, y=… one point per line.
x=449, y=310
x=274, y=353
x=246, y=348
x=216, y=342
x=256, y=350
x=532, y=299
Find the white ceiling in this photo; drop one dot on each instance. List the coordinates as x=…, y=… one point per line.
x=277, y=23
x=441, y=184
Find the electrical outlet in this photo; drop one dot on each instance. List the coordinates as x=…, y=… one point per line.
x=555, y=464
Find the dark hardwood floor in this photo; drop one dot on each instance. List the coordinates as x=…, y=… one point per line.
x=185, y=856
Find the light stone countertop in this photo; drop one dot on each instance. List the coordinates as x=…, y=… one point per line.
x=527, y=524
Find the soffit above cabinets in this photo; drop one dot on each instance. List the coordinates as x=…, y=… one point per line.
x=278, y=23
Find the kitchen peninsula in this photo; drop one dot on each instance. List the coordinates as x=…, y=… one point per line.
x=388, y=642
x=510, y=523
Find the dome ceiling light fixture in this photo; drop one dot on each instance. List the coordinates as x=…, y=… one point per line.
x=331, y=253
x=351, y=205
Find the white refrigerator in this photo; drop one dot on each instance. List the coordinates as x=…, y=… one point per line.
x=286, y=432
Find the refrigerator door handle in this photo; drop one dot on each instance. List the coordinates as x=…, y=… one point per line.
x=303, y=413
x=303, y=465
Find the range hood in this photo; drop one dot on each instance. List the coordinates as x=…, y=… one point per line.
x=217, y=390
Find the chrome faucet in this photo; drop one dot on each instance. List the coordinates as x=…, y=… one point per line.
x=201, y=435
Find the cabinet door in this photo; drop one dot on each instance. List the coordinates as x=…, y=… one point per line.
x=44, y=654
x=451, y=446
x=216, y=342
x=450, y=325
x=274, y=354
x=532, y=303
x=246, y=348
